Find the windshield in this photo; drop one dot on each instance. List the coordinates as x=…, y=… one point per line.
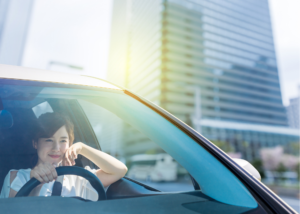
x=117, y=124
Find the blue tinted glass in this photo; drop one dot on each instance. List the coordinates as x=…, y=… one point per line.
x=26, y=103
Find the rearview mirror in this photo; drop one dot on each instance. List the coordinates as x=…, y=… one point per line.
x=248, y=166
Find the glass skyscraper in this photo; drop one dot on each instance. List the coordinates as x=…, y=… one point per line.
x=293, y=111
x=14, y=24
x=212, y=63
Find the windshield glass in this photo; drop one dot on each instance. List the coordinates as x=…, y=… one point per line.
x=117, y=124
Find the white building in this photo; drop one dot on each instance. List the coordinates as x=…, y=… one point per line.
x=293, y=111
x=14, y=24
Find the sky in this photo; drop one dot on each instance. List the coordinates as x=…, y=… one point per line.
x=76, y=33
x=69, y=32
x=285, y=20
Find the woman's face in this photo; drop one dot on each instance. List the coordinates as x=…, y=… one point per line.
x=52, y=150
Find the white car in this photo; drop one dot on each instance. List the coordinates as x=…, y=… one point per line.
x=156, y=167
x=105, y=115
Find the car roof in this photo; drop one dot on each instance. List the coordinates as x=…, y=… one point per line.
x=33, y=74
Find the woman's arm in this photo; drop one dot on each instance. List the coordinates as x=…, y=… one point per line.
x=110, y=170
x=44, y=173
x=12, y=193
x=13, y=175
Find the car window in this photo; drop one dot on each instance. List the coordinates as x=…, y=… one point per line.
x=95, y=126
x=122, y=126
x=147, y=162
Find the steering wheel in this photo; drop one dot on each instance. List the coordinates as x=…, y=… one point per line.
x=68, y=170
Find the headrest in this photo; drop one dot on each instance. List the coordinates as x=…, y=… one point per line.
x=6, y=119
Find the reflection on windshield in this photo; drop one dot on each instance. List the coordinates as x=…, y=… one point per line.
x=121, y=126
x=94, y=125
x=147, y=162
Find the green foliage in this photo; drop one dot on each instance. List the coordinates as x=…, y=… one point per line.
x=298, y=170
x=295, y=147
x=154, y=151
x=281, y=168
x=151, y=152
x=225, y=146
x=257, y=164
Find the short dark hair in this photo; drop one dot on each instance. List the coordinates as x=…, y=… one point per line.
x=49, y=123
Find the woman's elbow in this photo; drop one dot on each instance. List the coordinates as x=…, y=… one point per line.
x=124, y=170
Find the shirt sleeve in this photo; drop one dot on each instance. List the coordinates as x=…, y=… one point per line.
x=6, y=187
x=87, y=191
x=20, y=179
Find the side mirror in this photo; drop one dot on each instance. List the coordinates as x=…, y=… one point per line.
x=248, y=166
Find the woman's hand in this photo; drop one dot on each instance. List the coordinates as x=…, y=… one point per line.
x=44, y=173
x=71, y=154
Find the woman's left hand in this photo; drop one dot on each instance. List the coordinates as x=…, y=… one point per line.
x=71, y=154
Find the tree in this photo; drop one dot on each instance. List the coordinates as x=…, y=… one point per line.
x=298, y=170
x=225, y=146
x=258, y=165
x=295, y=148
x=281, y=169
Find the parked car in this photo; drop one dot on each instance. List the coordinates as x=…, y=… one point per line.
x=220, y=184
x=156, y=167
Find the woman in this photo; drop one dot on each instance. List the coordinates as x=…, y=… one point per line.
x=54, y=144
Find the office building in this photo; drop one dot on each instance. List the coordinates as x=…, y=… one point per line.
x=208, y=62
x=14, y=24
x=293, y=111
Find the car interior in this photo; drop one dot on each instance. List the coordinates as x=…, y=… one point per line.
x=16, y=152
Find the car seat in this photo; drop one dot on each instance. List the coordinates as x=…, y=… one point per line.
x=16, y=150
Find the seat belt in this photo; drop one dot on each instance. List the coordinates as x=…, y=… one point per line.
x=57, y=186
